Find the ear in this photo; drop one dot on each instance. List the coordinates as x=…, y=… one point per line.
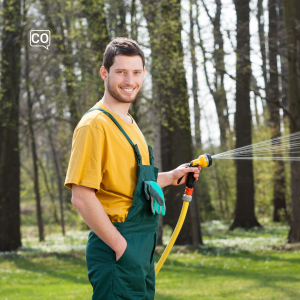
x=144, y=71
x=103, y=73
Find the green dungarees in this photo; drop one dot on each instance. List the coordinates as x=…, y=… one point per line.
x=132, y=277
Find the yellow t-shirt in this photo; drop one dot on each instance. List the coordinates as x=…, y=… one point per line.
x=103, y=159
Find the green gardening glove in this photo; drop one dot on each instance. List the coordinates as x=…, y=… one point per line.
x=154, y=193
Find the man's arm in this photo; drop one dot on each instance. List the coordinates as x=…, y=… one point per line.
x=93, y=213
x=170, y=178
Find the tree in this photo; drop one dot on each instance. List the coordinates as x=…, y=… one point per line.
x=10, y=235
x=171, y=105
x=274, y=122
x=195, y=87
x=60, y=21
x=244, y=211
x=292, y=25
x=283, y=56
x=203, y=192
x=262, y=43
x=33, y=144
x=217, y=89
x=98, y=34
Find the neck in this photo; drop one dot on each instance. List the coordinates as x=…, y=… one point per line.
x=117, y=107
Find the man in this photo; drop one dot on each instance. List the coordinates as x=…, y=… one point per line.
x=109, y=165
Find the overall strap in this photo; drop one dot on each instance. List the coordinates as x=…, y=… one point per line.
x=151, y=158
x=135, y=146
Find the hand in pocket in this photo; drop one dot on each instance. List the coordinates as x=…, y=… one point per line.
x=123, y=247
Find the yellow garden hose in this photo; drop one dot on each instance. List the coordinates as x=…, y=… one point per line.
x=203, y=161
x=174, y=236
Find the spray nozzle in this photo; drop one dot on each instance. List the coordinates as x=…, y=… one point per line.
x=203, y=161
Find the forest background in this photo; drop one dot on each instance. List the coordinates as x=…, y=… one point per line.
x=219, y=75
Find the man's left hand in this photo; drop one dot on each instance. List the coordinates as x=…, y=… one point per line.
x=182, y=170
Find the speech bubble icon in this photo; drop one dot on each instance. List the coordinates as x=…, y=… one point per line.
x=40, y=38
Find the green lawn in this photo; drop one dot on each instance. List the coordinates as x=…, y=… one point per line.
x=236, y=265
x=260, y=275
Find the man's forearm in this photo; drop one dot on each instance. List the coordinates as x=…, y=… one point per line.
x=165, y=179
x=93, y=213
x=171, y=177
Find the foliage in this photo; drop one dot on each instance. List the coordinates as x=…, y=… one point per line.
x=65, y=82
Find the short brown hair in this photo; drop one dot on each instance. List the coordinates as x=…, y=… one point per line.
x=121, y=46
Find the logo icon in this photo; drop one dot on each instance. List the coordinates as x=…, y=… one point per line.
x=40, y=38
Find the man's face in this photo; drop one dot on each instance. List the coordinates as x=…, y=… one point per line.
x=125, y=78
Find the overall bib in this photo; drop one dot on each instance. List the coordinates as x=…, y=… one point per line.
x=132, y=277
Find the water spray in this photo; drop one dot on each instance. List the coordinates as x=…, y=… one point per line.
x=285, y=148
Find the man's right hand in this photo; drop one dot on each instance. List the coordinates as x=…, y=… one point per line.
x=121, y=248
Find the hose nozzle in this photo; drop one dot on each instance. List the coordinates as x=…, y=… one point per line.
x=203, y=161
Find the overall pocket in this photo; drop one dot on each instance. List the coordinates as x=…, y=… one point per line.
x=130, y=271
x=152, y=259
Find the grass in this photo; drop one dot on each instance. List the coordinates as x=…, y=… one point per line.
x=232, y=265
x=244, y=275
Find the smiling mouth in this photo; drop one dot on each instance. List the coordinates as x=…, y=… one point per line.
x=128, y=91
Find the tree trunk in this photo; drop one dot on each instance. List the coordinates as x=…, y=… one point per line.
x=96, y=18
x=59, y=180
x=195, y=80
x=292, y=19
x=201, y=183
x=171, y=101
x=121, y=26
x=283, y=56
x=244, y=212
x=10, y=235
x=255, y=88
x=274, y=122
x=60, y=27
x=46, y=181
x=33, y=150
x=262, y=43
x=158, y=164
x=217, y=89
x=133, y=21
x=220, y=93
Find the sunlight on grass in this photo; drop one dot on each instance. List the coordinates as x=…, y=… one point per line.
x=231, y=265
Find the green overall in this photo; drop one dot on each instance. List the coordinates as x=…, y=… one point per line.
x=132, y=277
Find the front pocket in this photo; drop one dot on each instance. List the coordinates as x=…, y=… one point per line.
x=130, y=271
x=152, y=258
x=123, y=255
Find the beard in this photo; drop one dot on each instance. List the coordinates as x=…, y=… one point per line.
x=116, y=95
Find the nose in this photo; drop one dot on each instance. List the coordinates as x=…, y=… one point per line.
x=129, y=79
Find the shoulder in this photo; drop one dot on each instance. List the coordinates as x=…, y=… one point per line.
x=95, y=119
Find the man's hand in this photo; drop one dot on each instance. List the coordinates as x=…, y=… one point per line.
x=171, y=178
x=182, y=170
x=121, y=249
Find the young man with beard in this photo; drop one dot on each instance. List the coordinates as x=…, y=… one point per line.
x=109, y=165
